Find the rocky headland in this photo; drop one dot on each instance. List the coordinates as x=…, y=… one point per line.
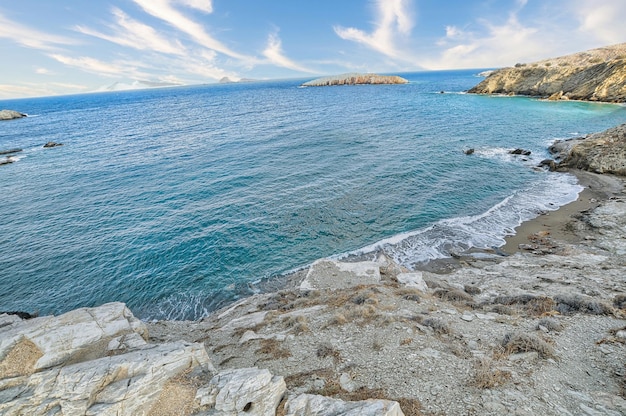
x=594, y=75
x=541, y=331
x=10, y=115
x=355, y=79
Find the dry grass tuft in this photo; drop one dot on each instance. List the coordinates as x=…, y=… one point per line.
x=569, y=304
x=438, y=325
x=472, y=289
x=550, y=324
x=298, y=324
x=453, y=295
x=274, y=349
x=327, y=350
x=408, y=293
x=178, y=396
x=406, y=341
x=516, y=342
x=534, y=305
x=503, y=310
x=487, y=376
x=620, y=301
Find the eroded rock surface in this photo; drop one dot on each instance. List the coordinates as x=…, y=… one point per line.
x=355, y=79
x=594, y=75
x=10, y=115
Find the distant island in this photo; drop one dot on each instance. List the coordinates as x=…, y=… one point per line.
x=226, y=80
x=355, y=79
x=594, y=75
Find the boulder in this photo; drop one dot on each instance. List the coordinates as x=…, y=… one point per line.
x=548, y=163
x=246, y=390
x=10, y=115
x=603, y=152
x=519, y=151
x=414, y=279
x=128, y=384
x=79, y=335
x=332, y=274
x=52, y=144
x=469, y=151
x=314, y=405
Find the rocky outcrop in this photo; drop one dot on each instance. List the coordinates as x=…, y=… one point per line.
x=355, y=79
x=10, y=115
x=603, y=152
x=52, y=144
x=315, y=405
x=594, y=75
x=96, y=361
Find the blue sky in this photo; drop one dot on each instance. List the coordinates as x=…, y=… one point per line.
x=73, y=46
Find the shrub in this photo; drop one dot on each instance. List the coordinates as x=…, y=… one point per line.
x=568, y=304
x=519, y=342
x=550, y=324
x=487, y=376
x=438, y=325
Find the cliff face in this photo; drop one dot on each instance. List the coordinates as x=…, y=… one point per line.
x=594, y=75
x=356, y=79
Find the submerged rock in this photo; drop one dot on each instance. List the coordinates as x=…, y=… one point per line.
x=52, y=144
x=522, y=152
x=355, y=79
x=10, y=115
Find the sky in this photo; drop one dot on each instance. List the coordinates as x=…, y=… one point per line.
x=76, y=46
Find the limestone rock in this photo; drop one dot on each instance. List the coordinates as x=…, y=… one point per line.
x=414, y=279
x=247, y=390
x=331, y=274
x=603, y=152
x=314, y=405
x=355, y=79
x=594, y=75
x=126, y=384
x=72, y=337
x=10, y=115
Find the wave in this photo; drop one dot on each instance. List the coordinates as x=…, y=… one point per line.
x=482, y=231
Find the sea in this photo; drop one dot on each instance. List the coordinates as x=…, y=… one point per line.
x=179, y=201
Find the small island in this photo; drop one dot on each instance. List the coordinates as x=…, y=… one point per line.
x=10, y=115
x=355, y=79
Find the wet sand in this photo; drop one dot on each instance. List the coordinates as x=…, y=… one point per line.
x=554, y=224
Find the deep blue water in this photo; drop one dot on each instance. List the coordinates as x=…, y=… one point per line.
x=175, y=200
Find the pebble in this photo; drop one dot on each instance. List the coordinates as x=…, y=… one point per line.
x=468, y=317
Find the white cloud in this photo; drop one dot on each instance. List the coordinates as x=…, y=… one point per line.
x=29, y=37
x=602, y=20
x=164, y=10
x=202, y=5
x=274, y=53
x=134, y=34
x=393, y=19
x=38, y=90
x=107, y=69
x=43, y=71
x=493, y=45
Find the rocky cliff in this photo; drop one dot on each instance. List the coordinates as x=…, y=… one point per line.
x=355, y=79
x=603, y=152
x=10, y=115
x=594, y=75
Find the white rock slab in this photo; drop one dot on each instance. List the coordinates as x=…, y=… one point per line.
x=249, y=391
x=64, y=338
x=331, y=274
x=314, y=405
x=127, y=384
x=413, y=279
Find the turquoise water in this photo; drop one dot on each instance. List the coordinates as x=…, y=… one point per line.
x=176, y=201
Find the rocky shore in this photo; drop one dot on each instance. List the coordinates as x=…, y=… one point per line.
x=355, y=79
x=594, y=75
x=541, y=331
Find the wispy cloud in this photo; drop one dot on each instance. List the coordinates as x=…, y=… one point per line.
x=29, y=37
x=38, y=90
x=134, y=34
x=492, y=45
x=601, y=20
x=275, y=55
x=165, y=10
x=96, y=66
x=393, y=20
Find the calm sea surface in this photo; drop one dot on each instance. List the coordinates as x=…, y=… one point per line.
x=177, y=200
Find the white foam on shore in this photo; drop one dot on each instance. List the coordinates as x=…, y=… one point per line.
x=486, y=230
